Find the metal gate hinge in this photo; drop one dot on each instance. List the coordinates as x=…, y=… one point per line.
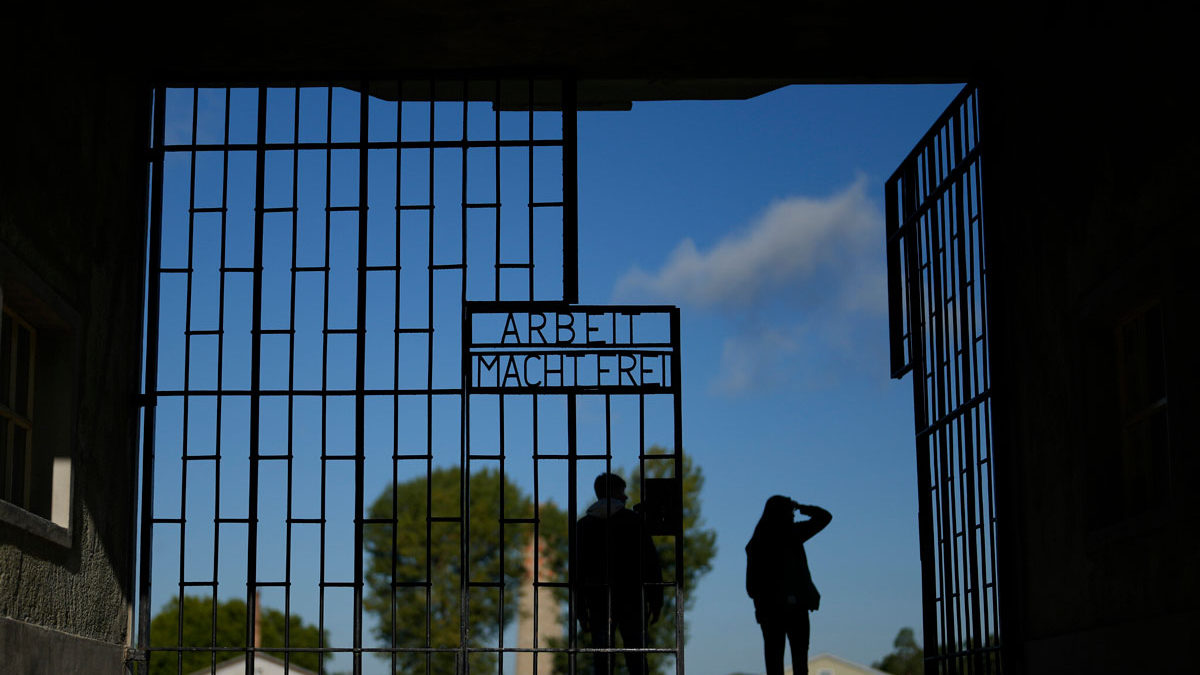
x=135, y=655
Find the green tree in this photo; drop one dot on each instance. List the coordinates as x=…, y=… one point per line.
x=906, y=658
x=230, y=632
x=699, y=548
x=423, y=607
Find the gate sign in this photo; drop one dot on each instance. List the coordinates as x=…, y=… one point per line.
x=533, y=347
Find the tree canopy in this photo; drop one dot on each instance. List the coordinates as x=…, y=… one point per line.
x=423, y=607
x=906, y=658
x=230, y=632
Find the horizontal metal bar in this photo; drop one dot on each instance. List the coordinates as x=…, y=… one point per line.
x=306, y=392
x=578, y=389
x=945, y=420
x=489, y=348
x=372, y=145
x=520, y=306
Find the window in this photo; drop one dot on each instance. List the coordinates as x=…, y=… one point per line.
x=39, y=369
x=18, y=350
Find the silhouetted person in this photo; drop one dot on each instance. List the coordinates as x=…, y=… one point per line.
x=615, y=559
x=778, y=580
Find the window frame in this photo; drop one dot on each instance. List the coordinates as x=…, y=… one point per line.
x=15, y=417
x=48, y=511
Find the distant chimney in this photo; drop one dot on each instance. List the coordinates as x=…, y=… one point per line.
x=257, y=619
x=549, y=613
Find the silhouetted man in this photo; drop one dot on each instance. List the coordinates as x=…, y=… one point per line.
x=615, y=560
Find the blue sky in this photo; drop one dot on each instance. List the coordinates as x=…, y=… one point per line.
x=761, y=219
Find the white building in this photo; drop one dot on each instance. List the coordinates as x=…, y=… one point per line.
x=264, y=664
x=828, y=664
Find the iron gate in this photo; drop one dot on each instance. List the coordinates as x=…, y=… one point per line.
x=319, y=260
x=937, y=274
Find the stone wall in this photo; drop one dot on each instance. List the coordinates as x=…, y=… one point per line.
x=72, y=212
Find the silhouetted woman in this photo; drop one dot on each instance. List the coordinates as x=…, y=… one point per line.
x=778, y=580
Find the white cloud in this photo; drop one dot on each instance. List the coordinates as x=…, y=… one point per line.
x=792, y=288
x=786, y=249
x=751, y=360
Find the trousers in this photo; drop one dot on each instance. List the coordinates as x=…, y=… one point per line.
x=793, y=625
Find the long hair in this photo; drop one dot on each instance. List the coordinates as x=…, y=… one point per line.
x=773, y=525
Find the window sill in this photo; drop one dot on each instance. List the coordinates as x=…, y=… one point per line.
x=35, y=525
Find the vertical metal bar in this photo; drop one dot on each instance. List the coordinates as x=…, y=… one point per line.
x=429, y=398
x=903, y=183
x=570, y=193
x=325, y=369
x=496, y=198
x=255, y=376
x=677, y=386
x=291, y=401
x=464, y=428
x=360, y=375
x=572, y=544
x=150, y=387
x=187, y=385
x=537, y=532
x=467, y=341
x=529, y=205
x=220, y=376
x=964, y=315
x=396, y=370
x=503, y=541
